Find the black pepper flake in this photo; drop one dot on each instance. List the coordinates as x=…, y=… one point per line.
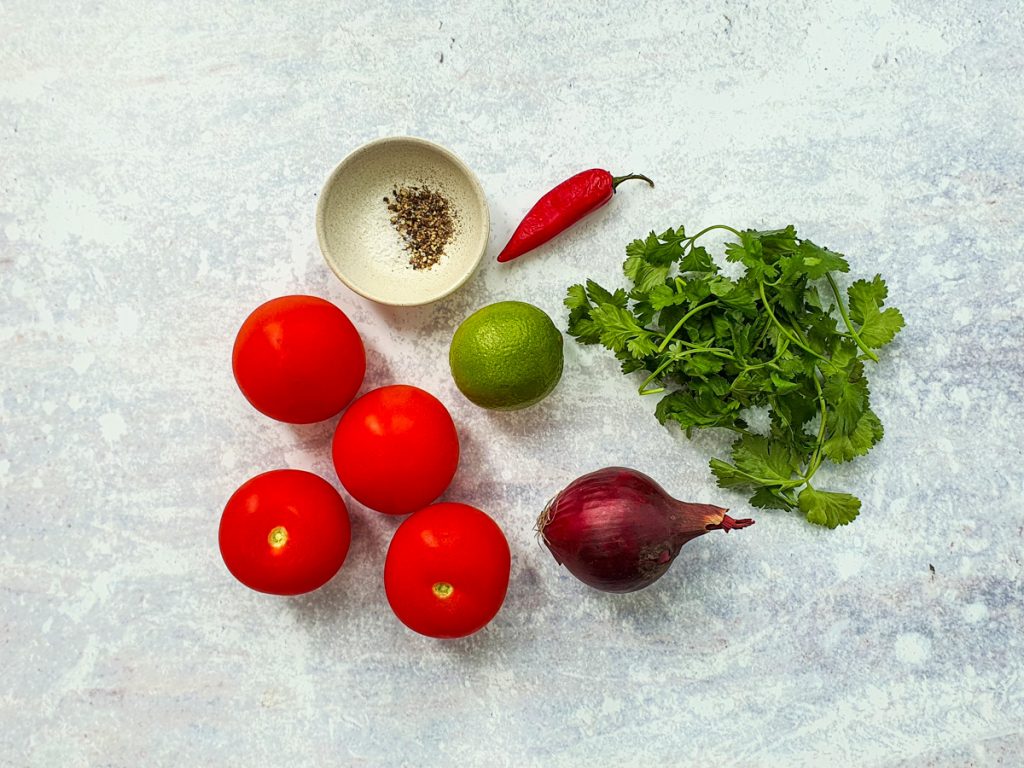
x=426, y=222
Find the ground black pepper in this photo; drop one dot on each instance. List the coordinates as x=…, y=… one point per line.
x=426, y=222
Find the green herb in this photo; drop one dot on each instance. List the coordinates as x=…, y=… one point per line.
x=780, y=337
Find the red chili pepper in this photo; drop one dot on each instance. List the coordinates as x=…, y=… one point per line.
x=562, y=207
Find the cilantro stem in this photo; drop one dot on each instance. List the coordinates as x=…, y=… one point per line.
x=782, y=496
x=652, y=377
x=683, y=319
x=846, y=318
x=766, y=364
x=784, y=329
x=795, y=328
x=716, y=351
x=816, y=457
x=772, y=485
x=783, y=346
x=712, y=228
x=761, y=335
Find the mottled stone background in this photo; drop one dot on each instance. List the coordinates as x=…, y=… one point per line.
x=159, y=167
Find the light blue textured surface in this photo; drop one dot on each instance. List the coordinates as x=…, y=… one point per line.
x=158, y=177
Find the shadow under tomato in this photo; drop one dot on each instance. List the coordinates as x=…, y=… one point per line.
x=480, y=648
x=512, y=628
x=378, y=372
x=315, y=437
x=342, y=595
x=471, y=474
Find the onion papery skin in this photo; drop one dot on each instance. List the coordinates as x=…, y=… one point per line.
x=617, y=530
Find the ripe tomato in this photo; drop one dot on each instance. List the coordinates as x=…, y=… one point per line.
x=447, y=570
x=396, y=449
x=284, y=532
x=298, y=359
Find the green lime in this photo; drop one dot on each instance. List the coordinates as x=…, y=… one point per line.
x=506, y=356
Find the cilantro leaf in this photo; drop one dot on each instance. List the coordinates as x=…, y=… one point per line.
x=618, y=328
x=749, y=387
x=662, y=296
x=750, y=253
x=737, y=295
x=818, y=261
x=865, y=296
x=742, y=336
x=765, y=341
x=828, y=508
x=644, y=312
x=846, y=394
x=845, y=445
x=644, y=275
x=771, y=463
x=800, y=441
x=844, y=355
x=649, y=261
x=794, y=409
x=576, y=297
x=821, y=330
x=661, y=250
x=698, y=260
x=781, y=386
x=877, y=326
x=696, y=289
x=793, y=364
x=703, y=410
x=778, y=240
x=813, y=262
x=585, y=330
x=599, y=295
x=769, y=498
x=632, y=365
x=790, y=295
x=641, y=346
x=702, y=365
x=718, y=385
x=729, y=476
x=879, y=329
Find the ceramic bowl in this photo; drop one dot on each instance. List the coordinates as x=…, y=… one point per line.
x=363, y=248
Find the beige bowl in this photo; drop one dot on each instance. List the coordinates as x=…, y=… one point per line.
x=354, y=226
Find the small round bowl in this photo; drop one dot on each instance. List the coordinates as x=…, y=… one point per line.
x=363, y=248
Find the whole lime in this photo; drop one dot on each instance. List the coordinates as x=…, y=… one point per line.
x=506, y=356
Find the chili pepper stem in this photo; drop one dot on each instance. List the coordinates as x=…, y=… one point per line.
x=616, y=180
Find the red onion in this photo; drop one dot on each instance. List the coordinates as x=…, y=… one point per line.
x=619, y=531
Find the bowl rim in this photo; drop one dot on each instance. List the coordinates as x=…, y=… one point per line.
x=474, y=183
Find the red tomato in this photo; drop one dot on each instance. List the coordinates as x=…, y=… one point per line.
x=396, y=449
x=447, y=570
x=298, y=359
x=284, y=532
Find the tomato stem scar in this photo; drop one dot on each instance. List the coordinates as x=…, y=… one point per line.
x=278, y=537
x=443, y=590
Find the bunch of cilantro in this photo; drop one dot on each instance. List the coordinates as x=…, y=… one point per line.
x=780, y=337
